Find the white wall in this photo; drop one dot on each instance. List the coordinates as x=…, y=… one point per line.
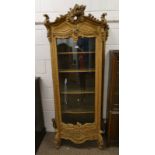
x=42, y=57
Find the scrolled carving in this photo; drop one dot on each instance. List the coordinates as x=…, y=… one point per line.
x=105, y=25
x=79, y=133
x=77, y=125
x=76, y=14
x=91, y=17
x=103, y=16
x=60, y=18
x=48, y=27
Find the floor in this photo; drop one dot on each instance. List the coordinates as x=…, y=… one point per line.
x=47, y=147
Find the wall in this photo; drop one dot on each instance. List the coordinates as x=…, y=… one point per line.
x=42, y=56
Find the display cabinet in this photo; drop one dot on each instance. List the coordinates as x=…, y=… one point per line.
x=77, y=56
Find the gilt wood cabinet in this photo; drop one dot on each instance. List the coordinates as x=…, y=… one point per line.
x=77, y=55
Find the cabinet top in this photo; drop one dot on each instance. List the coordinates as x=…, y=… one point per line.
x=76, y=16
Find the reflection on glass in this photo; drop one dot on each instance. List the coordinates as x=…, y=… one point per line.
x=73, y=103
x=77, y=61
x=77, y=81
x=82, y=45
x=76, y=64
x=80, y=55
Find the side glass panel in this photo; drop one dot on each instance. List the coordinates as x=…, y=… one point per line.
x=76, y=65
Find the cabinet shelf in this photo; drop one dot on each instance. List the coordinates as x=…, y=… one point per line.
x=67, y=53
x=78, y=111
x=77, y=92
x=76, y=70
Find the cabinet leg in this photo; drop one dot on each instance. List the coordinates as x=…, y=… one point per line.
x=57, y=141
x=100, y=142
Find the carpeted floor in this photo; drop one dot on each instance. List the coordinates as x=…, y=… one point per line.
x=47, y=147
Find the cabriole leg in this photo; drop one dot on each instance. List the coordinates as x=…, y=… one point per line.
x=100, y=142
x=57, y=141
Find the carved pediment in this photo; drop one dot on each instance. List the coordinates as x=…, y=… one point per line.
x=76, y=16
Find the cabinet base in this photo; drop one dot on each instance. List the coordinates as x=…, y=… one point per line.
x=84, y=138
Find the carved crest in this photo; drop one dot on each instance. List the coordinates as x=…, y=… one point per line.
x=76, y=14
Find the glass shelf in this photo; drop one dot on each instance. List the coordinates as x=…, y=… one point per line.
x=66, y=53
x=77, y=92
x=86, y=109
x=76, y=110
x=76, y=70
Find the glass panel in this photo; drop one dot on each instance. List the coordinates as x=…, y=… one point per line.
x=79, y=117
x=82, y=45
x=76, y=61
x=73, y=103
x=77, y=82
x=80, y=55
x=76, y=65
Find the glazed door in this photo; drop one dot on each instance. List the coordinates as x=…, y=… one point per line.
x=76, y=67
